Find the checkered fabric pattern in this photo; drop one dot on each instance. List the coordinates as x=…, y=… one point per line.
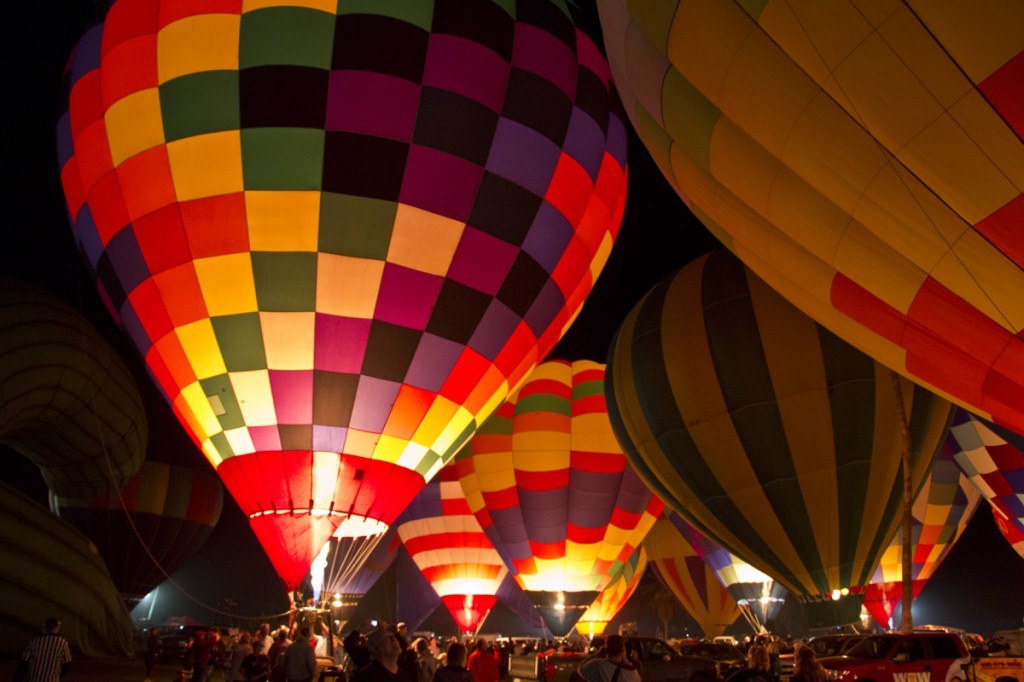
x=340, y=227
x=612, y=598
x=551, y=487
x=941, y=511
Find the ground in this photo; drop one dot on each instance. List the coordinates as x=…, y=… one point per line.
x=105, y=670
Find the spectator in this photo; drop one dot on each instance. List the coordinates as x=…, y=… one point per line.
x=384, y=652
x=482, y=663
x=613, y=666
x=299, y=659
x=47, y=656
x=454, y=669
x=426, y=664
x=256, y=664
x=239, y=653
x=153, y=650
x=806, y=667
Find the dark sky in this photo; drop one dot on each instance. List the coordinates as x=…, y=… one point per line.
x=979, y=586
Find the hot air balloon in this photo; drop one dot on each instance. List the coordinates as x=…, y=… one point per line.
x=758, y=596
x=765, y=431
x=690, y=578
x=339, y=237
x=51, y=568
x=1010, y=531
x=69, y=404
x=550, y=486
x=992, y=458
x=867, y=163
x=941, y=511
x=599, y=614
x=347, y=567
x=446, y=541
x=151, y=526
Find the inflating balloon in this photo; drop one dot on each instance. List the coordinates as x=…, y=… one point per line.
x=866, y=162
x=941, y=511
x=767, y=432
x=446, y=541
x=149, y=528
x=596, y=618
x=339, y=237
x=690, y=578
x=550, y=486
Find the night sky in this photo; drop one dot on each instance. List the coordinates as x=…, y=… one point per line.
x=979, y=587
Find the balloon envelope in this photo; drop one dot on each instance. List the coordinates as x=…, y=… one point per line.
x=868, y=165
x=612, y=598
x=339, y=238
x=693, y=582
x=442, y=536
x=940, y=513
x=151, y=527
x=992, y=458
x=550, y=486
x=771, y=435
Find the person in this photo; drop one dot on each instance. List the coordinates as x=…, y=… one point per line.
x=241, y=650
x=255, y=666
x=426, y=665
x=262, y=634
x=299, y=659
x=758, y=664
x=356, y=648
x=384, y=652
x=482, y=663
x=613, y=666
x=806, y=667
x=201, y=655
x=454, y=668
x=153, y=650
x=46, y=657
x=276, y=656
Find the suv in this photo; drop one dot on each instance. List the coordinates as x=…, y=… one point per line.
x=914, y=657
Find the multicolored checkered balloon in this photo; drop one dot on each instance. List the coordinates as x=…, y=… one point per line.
x=340, y=233
x=941, y=511
x=551, y=487
x=612, y=598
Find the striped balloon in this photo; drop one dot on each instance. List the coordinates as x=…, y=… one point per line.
x=415, y=600
x=550, y=486
x=612, y=598
x=149, y=529
x=1013, y=534
x=49, y=568
x=340, y=233
x=941, y=511
x=68, y=404
x=866, y=159
x=758, y=595
x=770, y=434
x=993, y=458
x=693, y=582
x=446, y=541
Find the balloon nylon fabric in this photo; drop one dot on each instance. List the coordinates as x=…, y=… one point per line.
x=693, y=582
x=68, y=402
x=444, y=538
x=173, y=508
x=550, y=486
x=941, y=511
x=772, y=436
x=613, y=597
x=340, y=234
x=866, y=162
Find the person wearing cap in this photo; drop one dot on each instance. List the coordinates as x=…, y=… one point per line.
x=299, y=659
x=47, y=656
x=256, y=665
x=384, y=653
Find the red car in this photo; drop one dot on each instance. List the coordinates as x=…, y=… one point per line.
x=915, y=657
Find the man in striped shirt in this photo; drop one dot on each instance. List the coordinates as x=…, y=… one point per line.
x=47, y=655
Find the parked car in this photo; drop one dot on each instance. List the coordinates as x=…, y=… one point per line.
x=729, y=657
x=897, y=657
x=659, y=661
x=823, y=646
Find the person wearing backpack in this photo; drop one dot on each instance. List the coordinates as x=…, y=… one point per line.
x=612, y=667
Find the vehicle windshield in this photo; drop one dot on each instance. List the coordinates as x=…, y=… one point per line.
x=876, y=646
x=832, y=646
